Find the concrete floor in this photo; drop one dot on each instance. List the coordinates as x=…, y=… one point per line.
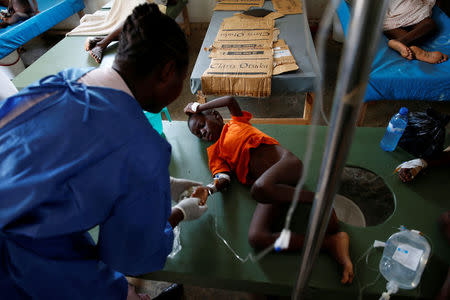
x=377, y=115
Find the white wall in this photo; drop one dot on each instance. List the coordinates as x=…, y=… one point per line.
x=201, y=10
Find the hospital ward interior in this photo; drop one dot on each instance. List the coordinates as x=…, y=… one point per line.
x=224, y=149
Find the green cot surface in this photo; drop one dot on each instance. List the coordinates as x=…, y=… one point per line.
x=205, y=261
x=68, y=53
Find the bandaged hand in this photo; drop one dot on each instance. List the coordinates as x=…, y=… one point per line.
x=179, y=185
x=408, y=170
x=191, y=209
x=191, y=108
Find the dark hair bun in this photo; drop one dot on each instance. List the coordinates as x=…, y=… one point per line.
x=150, y=39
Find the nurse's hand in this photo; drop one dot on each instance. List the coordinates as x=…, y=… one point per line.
x=191, y=209
x=179, y=185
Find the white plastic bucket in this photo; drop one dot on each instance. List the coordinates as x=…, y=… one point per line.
x=11, y=65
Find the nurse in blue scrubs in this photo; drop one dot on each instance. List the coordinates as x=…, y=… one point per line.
x=76, y=151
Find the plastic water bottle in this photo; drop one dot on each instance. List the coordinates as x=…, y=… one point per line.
x=404, y=258
x=395, y=130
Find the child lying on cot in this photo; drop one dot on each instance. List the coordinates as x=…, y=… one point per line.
x=18, y=10
x=260, y=161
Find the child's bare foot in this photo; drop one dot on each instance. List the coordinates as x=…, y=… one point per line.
x=97, y=53
x=91, y=42
x=401, y=48
x=338, y=245
x=432, y=57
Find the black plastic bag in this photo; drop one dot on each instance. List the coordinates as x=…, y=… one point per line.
x=424, y=135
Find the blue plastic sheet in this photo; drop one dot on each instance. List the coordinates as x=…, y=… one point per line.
x=51, y=13
x=395, y=78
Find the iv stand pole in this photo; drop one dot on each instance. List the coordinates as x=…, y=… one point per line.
x=359, y=51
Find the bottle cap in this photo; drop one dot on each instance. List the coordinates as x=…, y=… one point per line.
x=403, y=111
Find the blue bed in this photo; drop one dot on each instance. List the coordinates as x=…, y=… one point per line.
x=395, y=78
x=51, y=13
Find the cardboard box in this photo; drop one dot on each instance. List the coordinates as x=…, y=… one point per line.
x=239, y=75
x=243, y=59
x=288, y=7
x=283, y=60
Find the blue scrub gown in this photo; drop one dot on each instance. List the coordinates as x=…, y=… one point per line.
x=83, y=156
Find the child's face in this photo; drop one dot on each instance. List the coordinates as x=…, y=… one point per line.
x=207, y=127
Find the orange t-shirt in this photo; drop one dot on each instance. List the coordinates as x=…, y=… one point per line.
x=232, y=151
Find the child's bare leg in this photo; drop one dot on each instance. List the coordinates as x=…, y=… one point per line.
x=338, y=246
x=418, y=33
x=261, y=235
x=261, y=232
x=277, y=171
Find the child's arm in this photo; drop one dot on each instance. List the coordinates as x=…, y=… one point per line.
x=220, y=183
x=227, y=101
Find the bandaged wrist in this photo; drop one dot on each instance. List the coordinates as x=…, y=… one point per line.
x=211, y=188
x=411, y=164
x=222, y=176
x=195, y=106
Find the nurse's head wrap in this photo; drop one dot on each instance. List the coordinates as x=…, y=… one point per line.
x=150, y=39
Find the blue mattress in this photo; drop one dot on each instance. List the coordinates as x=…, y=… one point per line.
x=395, y=78
x=51, y=13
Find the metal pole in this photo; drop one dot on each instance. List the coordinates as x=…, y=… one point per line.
x=359, y=50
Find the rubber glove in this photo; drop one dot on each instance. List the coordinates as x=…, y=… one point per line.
x=190, y=208
x=179, y=185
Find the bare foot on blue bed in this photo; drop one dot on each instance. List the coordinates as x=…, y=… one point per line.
x=401, y=48
x=338, y=245
x=432, y=57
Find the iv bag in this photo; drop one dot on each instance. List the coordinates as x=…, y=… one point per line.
x=404, y=258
